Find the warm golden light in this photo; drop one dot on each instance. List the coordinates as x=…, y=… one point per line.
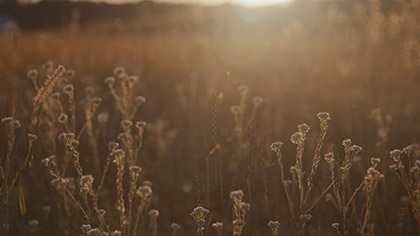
x=262, y=2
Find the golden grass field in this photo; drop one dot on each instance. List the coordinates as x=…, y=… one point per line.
x=222, y=120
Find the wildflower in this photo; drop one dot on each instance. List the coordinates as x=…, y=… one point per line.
x=175, y=226
x=323, y=116
x=55, y=96
x=375, y=161
x=297, y=138
x=199, y=211
x=32, y=73
x=6, y=119
x=396, y=153
x=276, y=146
x=85, y=228
x=153, y=213
x=109, y=81
x=236, y=109
x=306, y=217
x=103, y=117
x=303, y=128
x=118, y=71
x=93, y=232
x=140, y=100
x=135, y=169
x=62, y=118
x=274, y=225
x=329, y=157
x=140, y=124
x=32, y=137
x=112, y=146
x=236, y=195
x=16, y=124
x=70, y=73
x=126, y=123
x=356, y=148
x=68, y=89
x=217, y=226
x=86, y=181
x=243, y=89
x=33, y=223
x=104, y=234
x=144, y=191
x=101, y=212
x=347, y=142
x=96, y=101
x=116, y=233
x=257, y=101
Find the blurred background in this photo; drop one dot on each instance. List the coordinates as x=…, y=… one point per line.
x=359, y=60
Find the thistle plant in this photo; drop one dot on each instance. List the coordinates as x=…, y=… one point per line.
x=300, y=208
x=408, y=174
x=123, y=92
x=199, y=214
x=240, y=210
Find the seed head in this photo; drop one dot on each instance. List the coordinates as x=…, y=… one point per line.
x=70, y=73
x=199, y=211
x=304, y=128
x=140, y=124
x=101, y=212
x=116, y=233
x=347, y=142
x=85, y=228
x=175, y=226
x=112, y=146
x=296, y=138
x=153, y=213
x=32, y=73
x=126, y=123
x=144, y=191
x=33, y=223
x=257, y=101
x=16, y=124
x=62, y=118
x=323, y=116
x=273, y=225
x=356, y=148
x=6, y=120
x=68, y=89
x=109, y=80
x=306, y=217
x=140, y=100
x=55, y=96
x=135, y=169
x=276, y=146
x=93, y=232
x=236, y=195
x=103, y=117
x=32, y=137
x=236, y=109
x=218, y=226
x=104, y=234
x=396, y=153
x=243, y=89
x=118, y=71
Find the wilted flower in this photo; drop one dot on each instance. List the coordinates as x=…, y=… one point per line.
x=144, y=191
x=296, y=138
x=140, y=100
x=85, y=228
x=32, y=73
x=257, y=101
x=68, y=89
x=324, y=116
x=276, y=146
x=32, y=137
x=153, y=213
x=135, y=169
x=62, y=118
x=109, y=80
x=126, y=123
x=304, y=128
x=93, y=232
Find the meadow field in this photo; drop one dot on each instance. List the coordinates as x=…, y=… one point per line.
x=214, y=120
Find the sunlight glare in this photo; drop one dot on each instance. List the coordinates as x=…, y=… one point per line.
x=262, y=2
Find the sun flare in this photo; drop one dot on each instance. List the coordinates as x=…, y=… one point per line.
x=262, y=2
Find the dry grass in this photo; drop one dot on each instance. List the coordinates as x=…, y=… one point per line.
x=145, y=129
